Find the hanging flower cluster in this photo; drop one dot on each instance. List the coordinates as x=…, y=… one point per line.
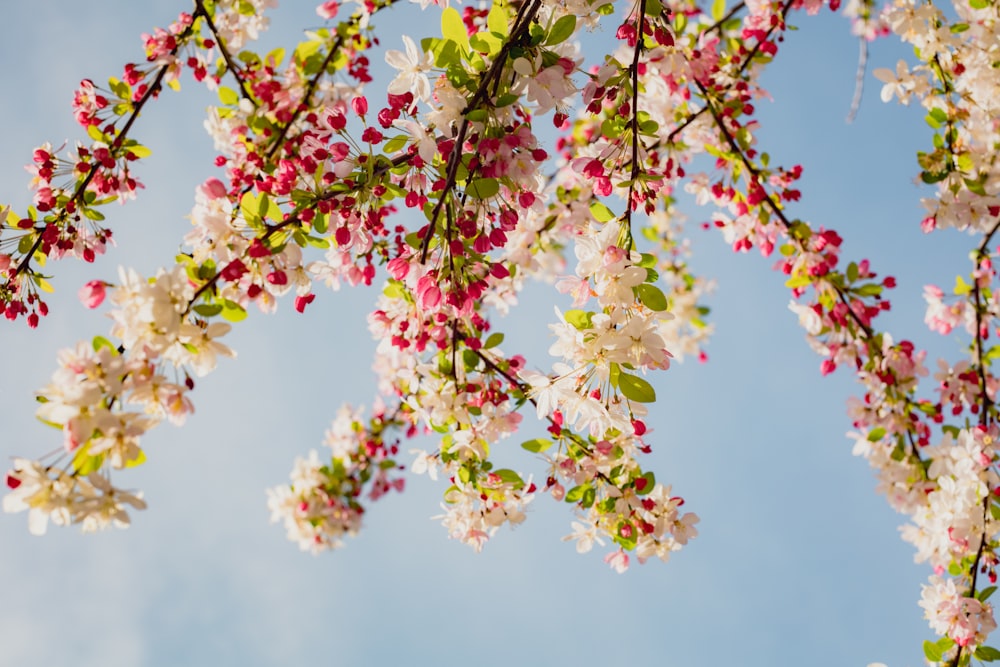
x=447, y=191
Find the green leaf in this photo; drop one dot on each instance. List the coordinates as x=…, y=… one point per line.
x=483, y=188
x=137, y=461
x=24, y=245
x=652, y=297
x=601, y=212
x=453, y=28
x=395, y=144
x=932, y=652
x=496, y=20
x=305, y=50
x=494, y=340
x=250, y=207
x=650, y=483
x=266, y=208
x=876, y=434
x=84, y=463
x=985, y=594
x=852, y=272
x=987, y=653
x=233, y=312
x=961, y=287
x=537, y=445
x=139, y=151
x=509, y=477
x=275, y=56
x=562, y=30
x=578, y=318
x=636, y=389
x=228, y=96
x=931, y=178
x=208, y=309
x=319, y=223
x=936, y=118
x=576, y=493
x=871, y=289
x=488, y=43
x=589, y=496
x=101, y=341
x=798, y=281
x=718, y=9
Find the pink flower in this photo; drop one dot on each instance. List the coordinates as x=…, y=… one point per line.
x=92, y=294
x=328, y=9
x=360, y=105
x=618, y=560
x=213, y=188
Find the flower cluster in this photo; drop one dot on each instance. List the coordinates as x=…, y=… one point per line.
x=322, y=504
x=315, y=172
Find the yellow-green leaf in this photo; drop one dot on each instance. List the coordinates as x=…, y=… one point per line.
x=453, y=28
x=496, y=20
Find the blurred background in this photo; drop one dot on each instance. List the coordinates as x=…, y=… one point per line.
x=798, y=560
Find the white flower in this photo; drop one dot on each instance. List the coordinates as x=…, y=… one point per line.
x=411, y=66
x=585, y=536
x=426, y=146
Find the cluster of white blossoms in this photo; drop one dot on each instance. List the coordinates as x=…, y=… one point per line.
x=474, y=512
x=323, y=502
x=950, y=523
x=315, y=518
x=104, y=400
x=956, y=81
x=593, y=345
x=152, y=322
x=90, y=500
x=241, y=21
x=965, y=620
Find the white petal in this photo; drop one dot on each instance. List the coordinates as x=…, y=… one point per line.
x=38, y=521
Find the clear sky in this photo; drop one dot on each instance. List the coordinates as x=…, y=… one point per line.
x=798, y=561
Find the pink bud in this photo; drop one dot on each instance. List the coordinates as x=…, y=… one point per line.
x=92, y=294
x=213, y=188
x=302, y=301
x=360, y=105
x=12, y=482
x=328, y=10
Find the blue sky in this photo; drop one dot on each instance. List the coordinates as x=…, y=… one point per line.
x=798, y=560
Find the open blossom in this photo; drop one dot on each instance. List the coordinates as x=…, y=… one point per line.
x=965, y=619
x=412, y=67
x=33, y=489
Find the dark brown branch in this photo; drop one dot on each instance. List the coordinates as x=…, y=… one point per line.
x=224, y=48
x=120, y=137
x=525, y=15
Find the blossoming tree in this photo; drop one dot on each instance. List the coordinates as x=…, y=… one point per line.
x=497, y=157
